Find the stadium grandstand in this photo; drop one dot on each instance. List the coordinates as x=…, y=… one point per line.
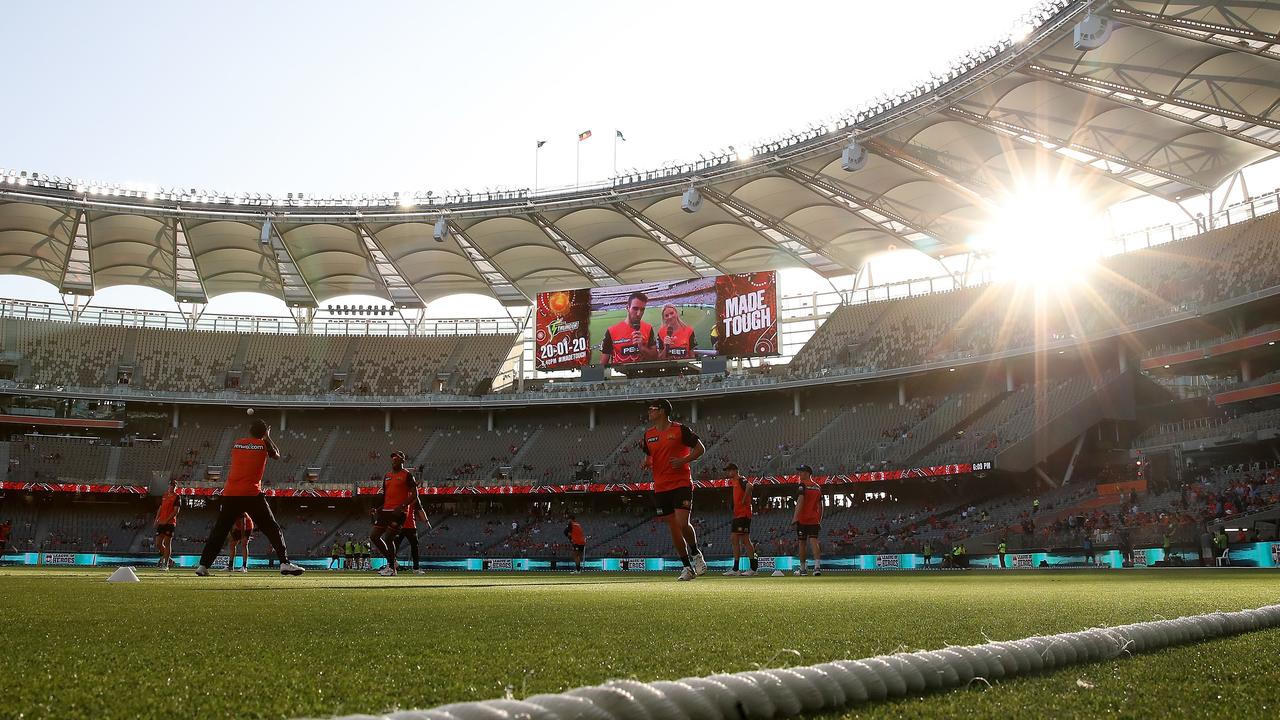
x=1113, y=411
x=970, y=367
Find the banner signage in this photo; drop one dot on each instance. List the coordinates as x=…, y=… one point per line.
x=274, y=492
x=781, y=480
x=672, y=321
x=887, y=562
x=61, y=487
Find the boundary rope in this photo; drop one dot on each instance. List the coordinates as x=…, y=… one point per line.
x=788, y=692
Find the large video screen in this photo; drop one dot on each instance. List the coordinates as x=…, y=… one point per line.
x=725, y=316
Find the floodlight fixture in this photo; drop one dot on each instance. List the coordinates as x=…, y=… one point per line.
x=691, y=201
x=854, y=157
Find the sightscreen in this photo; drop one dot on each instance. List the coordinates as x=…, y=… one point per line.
x=671, y=321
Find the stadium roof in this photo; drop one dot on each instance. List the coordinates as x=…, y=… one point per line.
x=1180, y=96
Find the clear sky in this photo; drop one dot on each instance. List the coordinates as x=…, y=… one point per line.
x=363, y=97
x=333, y=97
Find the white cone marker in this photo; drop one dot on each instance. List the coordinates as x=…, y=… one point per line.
x=124, y=574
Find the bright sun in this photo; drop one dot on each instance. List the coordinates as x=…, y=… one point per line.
x=1047, y=236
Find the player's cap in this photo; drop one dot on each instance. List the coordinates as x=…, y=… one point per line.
x=398, y=453
x=730, y=466
x=662, y=404
x=804, y=468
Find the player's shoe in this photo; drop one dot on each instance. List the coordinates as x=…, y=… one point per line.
x=243, y=570
x=202, y=571
x=699, y=564
x=387, y=571
x=747, y=573
x=817, y=572
x=575, y=572
x=289, y=568
x=687, y=574
x=164, y=568
x=419, y=572
x=730, y=573
x=801, y=571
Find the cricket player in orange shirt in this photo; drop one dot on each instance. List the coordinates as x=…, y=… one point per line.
x=242, y=493
x=166, y=524
x=669, y=448
x=399, y=499
x=808, y=519
x=241, y=534
x=740, y=526
x=578, y=539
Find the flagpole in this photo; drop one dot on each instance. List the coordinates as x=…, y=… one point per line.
x=537, y=152
x=577, y=162
x=615, y=153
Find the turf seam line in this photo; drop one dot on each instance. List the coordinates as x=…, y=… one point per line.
x=787, y=692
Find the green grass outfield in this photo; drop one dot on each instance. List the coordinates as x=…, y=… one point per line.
x=260, y=645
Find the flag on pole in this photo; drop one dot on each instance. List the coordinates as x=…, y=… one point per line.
x=620, y=137
x=541, y=143
x=584, y=135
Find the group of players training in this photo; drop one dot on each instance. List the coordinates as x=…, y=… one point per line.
x=670, y=448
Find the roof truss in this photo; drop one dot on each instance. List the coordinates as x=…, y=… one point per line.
x=77, y=273
x=883, y=218
x=592, y=268
x=1207, y=117
x=187, y=284
x=791, y=240
x=910, y=158
x=504, y=288
x=688, y=256
x=398, y=289
x=1098, y=159
x=1244, y=37
x=297, y=292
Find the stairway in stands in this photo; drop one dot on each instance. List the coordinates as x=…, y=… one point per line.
x=524, y=450
x=348, y=356
x=936, y=426
x=237, y=361
x=783, y=462
x=129, y=352
x=321, y=457
x=425, y=453
x=965, y=422
x=223, y=456
x=112, y=474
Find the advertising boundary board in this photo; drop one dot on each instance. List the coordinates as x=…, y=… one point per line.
x=1244, y=555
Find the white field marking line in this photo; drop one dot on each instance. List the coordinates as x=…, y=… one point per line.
x=786, y=692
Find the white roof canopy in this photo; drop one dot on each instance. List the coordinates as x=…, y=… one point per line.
x=1181, y=96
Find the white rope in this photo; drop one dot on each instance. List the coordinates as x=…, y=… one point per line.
x=785, y=692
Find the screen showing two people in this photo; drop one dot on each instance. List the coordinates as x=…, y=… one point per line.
x=672, y=321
